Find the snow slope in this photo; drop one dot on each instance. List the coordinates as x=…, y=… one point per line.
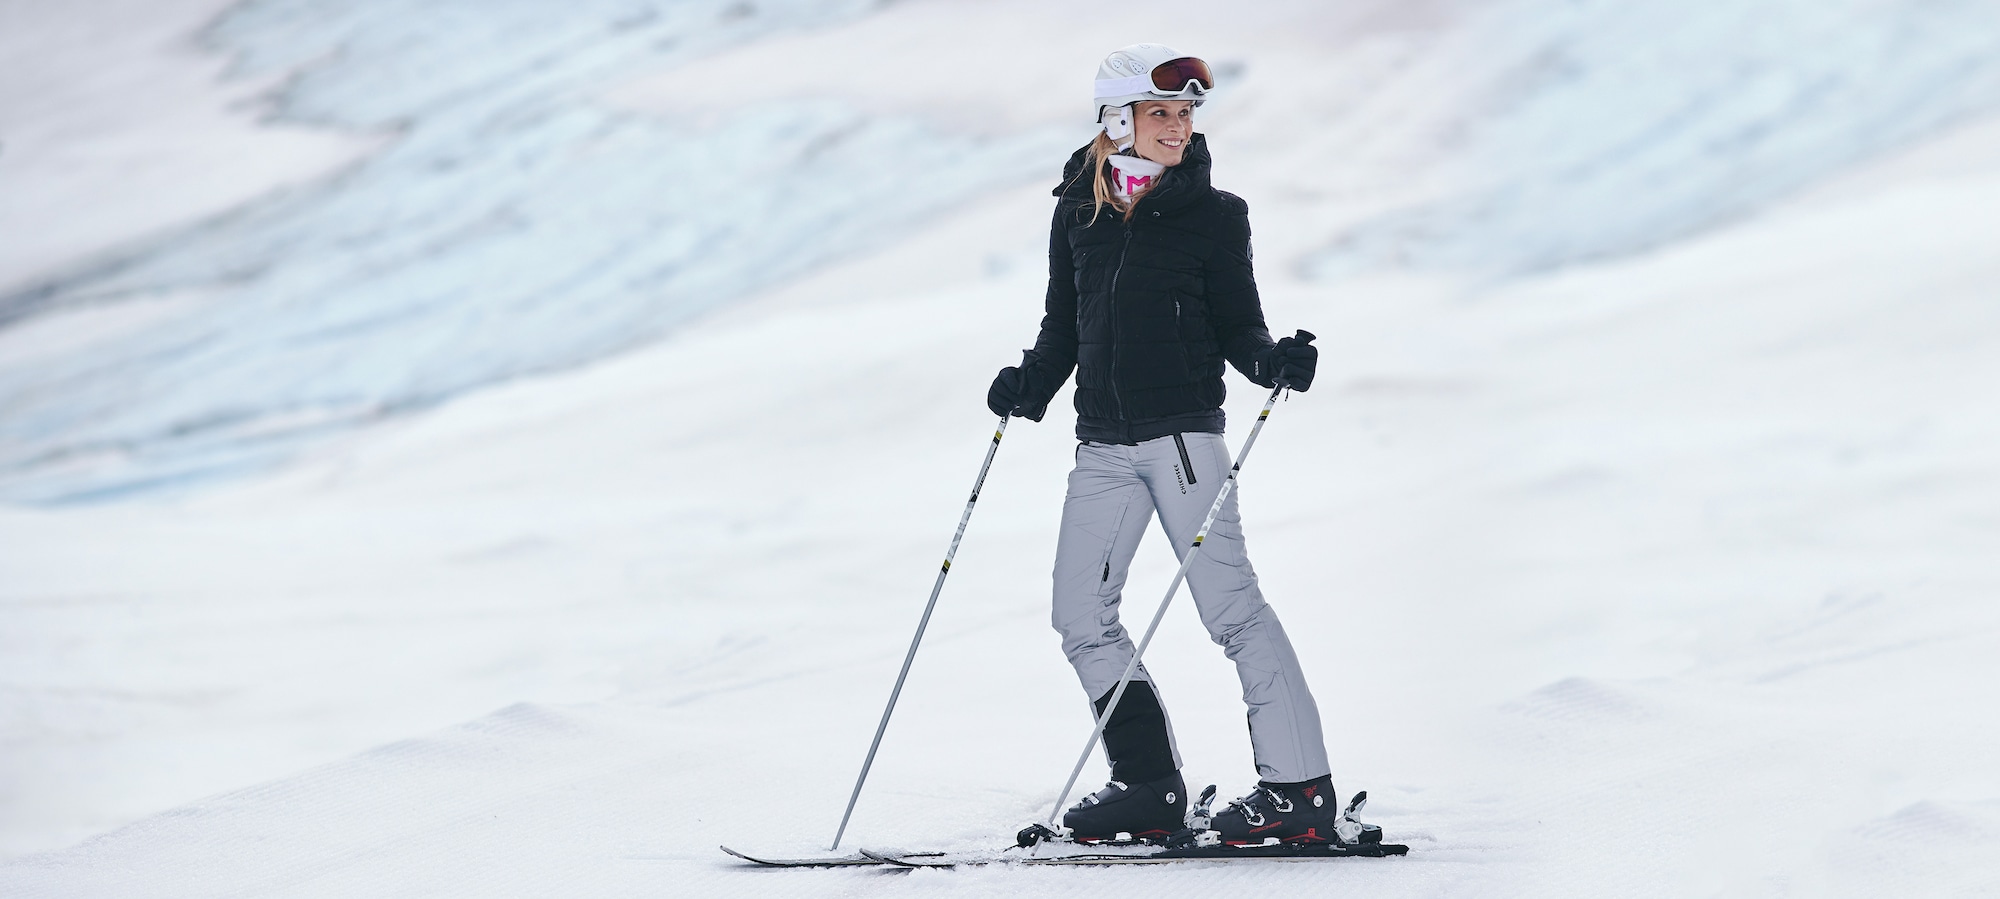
x=1663, y=575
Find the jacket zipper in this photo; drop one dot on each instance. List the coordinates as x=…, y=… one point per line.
x=1186, y=465
x=1123, y=248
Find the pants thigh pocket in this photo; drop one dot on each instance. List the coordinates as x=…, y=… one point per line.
x=1106, y=585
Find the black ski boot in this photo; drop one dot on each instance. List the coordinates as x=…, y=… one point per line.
x=1146, y=811
x=1291, y=813
x=1145, y=798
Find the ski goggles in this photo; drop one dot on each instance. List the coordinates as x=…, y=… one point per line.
x=1171, y=77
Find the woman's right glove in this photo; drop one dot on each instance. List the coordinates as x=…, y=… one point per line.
x=1291, y=362
x=1009, y=388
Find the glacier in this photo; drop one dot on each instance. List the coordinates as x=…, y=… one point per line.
x=514, y=224
x=511, y=226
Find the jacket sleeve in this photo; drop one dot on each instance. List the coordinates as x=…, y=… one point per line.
x=1046, y=367
x=1233, y=307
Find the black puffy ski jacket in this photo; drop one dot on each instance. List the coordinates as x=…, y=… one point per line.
x=1145, y=310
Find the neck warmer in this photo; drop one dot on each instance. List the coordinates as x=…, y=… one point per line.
x=1132, y=175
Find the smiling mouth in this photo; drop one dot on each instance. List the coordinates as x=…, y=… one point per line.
x=1171, y=142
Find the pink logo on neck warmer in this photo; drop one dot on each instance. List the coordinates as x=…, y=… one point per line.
x=1137, y=183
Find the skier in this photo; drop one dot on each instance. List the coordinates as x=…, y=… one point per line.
x=1150, y=291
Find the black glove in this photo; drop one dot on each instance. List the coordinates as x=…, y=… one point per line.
x=1005, y=393
x=1292, y=362
x=1009, y=389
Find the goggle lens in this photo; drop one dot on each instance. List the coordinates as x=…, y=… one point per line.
x=1173, y=75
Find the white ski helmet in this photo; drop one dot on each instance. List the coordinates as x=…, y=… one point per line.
x=1145, y=72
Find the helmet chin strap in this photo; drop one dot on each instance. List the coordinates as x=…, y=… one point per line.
x=1117, y=124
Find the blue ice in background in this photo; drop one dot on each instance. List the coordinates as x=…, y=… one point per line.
x=514, y=225
x=1599, y=128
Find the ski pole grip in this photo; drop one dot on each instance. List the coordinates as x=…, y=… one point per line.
x=1305, y=336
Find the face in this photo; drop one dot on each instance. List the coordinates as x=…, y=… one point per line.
x=1161, y=129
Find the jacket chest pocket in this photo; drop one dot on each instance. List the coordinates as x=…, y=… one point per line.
x=1190, y=317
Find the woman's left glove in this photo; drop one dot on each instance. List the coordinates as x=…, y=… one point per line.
x=1010, y=388
x=1291, y=362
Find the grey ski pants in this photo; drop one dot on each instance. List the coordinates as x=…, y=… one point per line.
x=1113, y=493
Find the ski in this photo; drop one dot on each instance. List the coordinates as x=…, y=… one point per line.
x=1232, y=854
x=1009, y=856
x=1082, y=854
x=1037, y=844
x=831, y=861
x=934, y=859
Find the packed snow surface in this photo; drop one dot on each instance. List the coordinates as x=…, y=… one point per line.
x=1636, y=536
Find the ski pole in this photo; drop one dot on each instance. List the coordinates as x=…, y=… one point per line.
x=1214, y=509
x=922, y=623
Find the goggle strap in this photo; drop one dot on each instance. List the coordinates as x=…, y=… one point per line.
x=1118, y=87
x=1142, y=84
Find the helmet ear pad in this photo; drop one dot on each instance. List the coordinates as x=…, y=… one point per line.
x=1117, y=124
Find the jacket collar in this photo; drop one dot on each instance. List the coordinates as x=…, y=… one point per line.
x=1179, y=186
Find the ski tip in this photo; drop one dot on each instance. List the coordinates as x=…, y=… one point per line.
x=748, y=858
x=826, y=861
x=744, y=856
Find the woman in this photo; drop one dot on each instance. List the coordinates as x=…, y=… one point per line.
x=1150, y=291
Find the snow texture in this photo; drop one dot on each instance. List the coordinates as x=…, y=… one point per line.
x=1666, y=574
